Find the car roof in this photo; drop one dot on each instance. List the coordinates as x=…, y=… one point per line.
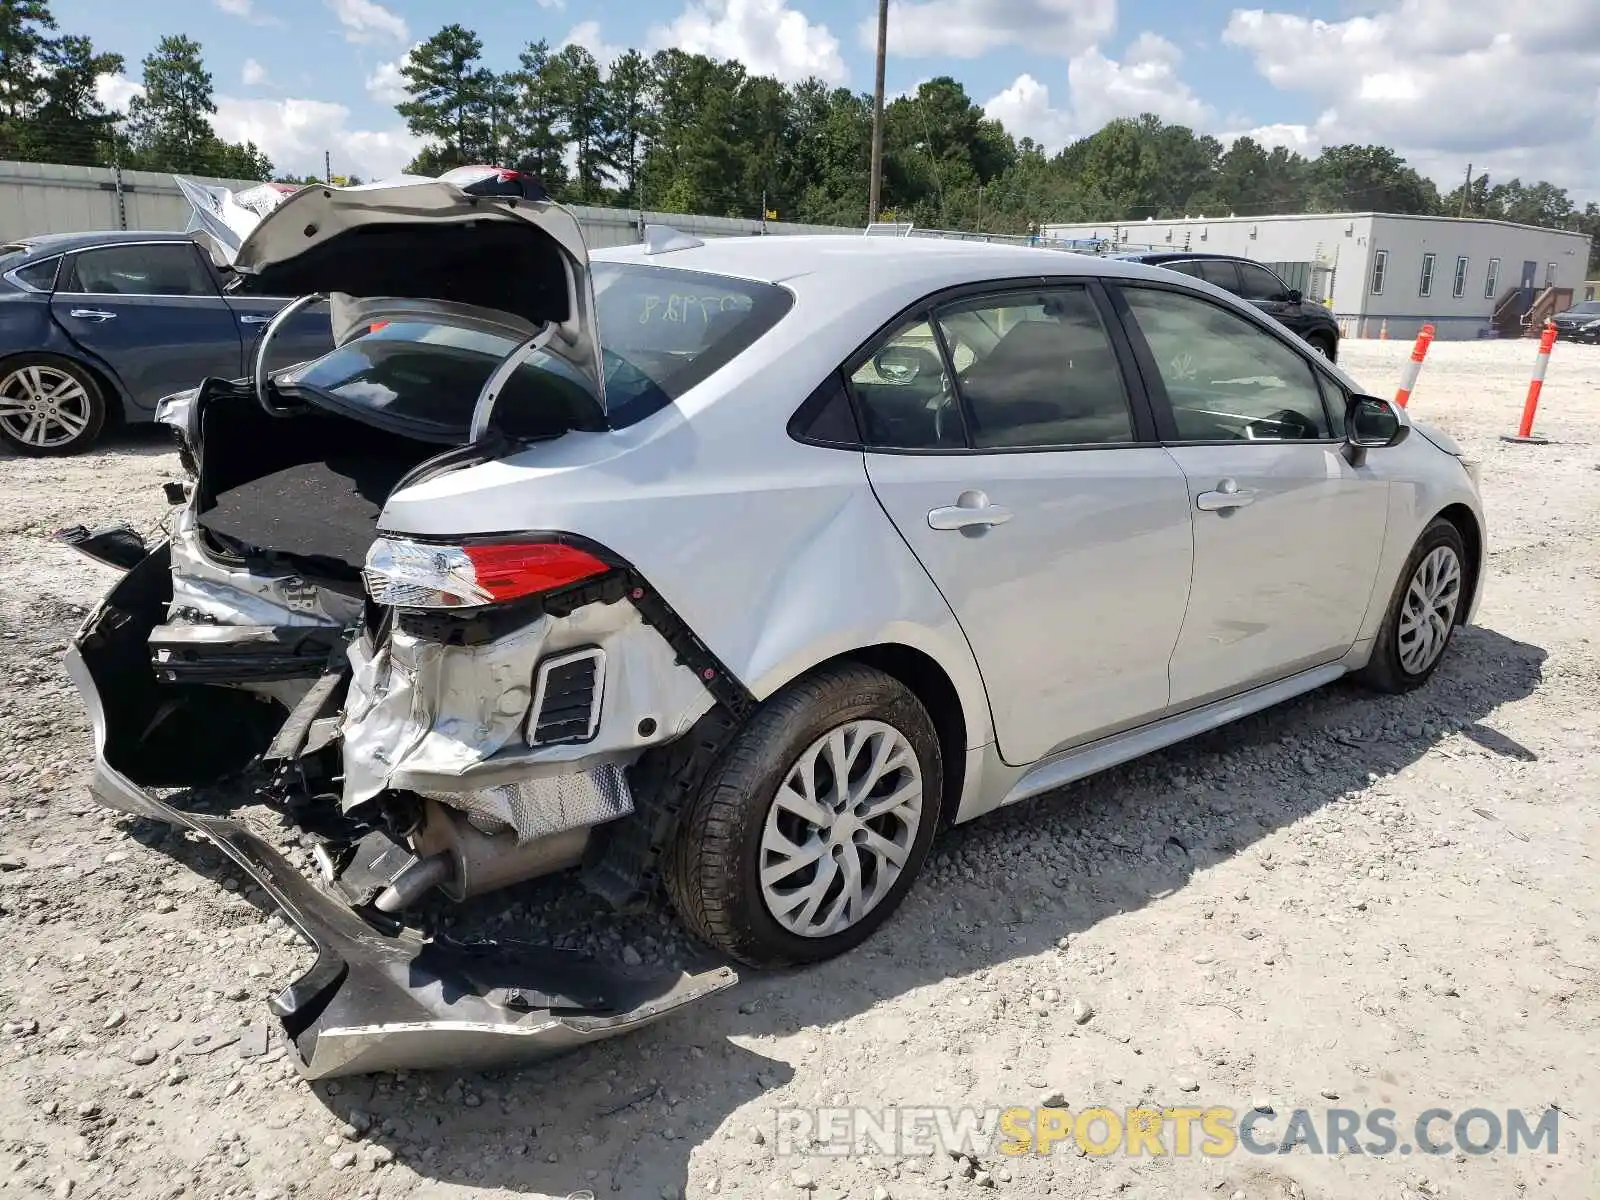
x=46, y=244
x=873, y=263
x=1158, y=256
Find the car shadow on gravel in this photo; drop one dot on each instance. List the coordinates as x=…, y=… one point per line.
x=624, y=1117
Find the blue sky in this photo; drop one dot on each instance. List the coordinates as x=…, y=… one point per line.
x=1445, y=81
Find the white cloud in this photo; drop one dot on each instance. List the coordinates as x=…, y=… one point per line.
x=245, y=10
x=114, y=91
x=1446, y=82
x=367, y=21
x=768, y=36
x=386, y=84
x=587, y=35
x=1100, y=89
x=294, y=133
x=552, y=3
x=969, y=28
x=253, y=74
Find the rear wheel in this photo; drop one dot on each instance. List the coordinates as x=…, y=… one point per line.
x=49, y=405
x=1324, y=345
x=810, y=830
x=1422, y=614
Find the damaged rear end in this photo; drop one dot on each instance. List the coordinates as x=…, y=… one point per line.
x=442, y=717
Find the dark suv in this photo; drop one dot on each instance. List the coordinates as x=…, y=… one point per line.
x=1255, y=283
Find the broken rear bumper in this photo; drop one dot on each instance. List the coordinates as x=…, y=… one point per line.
x=374, y=1002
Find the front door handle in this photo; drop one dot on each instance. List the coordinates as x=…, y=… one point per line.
x=92, y=314
x=253, y=319
x=1229, y=495
x=971, y=510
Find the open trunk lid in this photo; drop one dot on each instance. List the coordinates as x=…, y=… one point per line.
x=477, y=240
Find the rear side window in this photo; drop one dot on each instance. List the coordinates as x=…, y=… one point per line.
x=157, y=269
x=1188, y=267
x=40, y=275
x=1039, y=371
x=1024, y=370
x=1220, y=272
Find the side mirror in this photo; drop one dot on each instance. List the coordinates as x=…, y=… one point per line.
x=1295, y=296
x=899, y=364
x=1371, y=423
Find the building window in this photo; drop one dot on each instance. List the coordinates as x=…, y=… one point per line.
x=1550, y=275
x=1492, y=280
x=1460, y=288
x=1380, y=268
x=1425, y=287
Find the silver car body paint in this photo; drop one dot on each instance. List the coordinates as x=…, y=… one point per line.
x=778, y=554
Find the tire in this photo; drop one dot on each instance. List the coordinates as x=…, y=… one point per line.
x=727, y=830
x=1396, y=664
x=1324, y=344
x=49, y=406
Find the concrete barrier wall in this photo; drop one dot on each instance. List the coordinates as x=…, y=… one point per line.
x=40, y=198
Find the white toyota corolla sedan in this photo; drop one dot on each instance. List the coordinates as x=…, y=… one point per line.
x=736, y=567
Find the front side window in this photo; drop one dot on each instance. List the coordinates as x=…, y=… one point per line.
x=1492, y=280
x=1459, y=289
x=1380, y=268
x=1226, y=378
x=1037, y=369
x=156, y=269
x=1258, y=283
x=1425, y=284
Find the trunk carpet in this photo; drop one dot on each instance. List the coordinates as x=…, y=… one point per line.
x=325, y=509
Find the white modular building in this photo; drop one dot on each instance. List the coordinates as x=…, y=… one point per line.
x=1382, y=274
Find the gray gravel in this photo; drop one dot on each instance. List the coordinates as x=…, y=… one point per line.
x=1389, y=901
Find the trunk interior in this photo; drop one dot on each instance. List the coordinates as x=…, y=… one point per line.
x=309, y=486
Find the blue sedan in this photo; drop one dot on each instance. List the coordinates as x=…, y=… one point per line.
x=95, y=328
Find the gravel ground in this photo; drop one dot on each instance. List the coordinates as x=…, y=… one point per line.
x=1389, y=901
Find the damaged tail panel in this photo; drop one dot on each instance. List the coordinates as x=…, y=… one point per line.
x=439, y=718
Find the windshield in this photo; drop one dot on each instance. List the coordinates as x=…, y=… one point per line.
x=1589, y=308
x=662, y=331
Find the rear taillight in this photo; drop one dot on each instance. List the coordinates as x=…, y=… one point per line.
x=408, y=574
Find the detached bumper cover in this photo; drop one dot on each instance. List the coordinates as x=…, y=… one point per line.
x=373, y=1002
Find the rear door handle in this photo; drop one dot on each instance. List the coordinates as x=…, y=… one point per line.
x=971, y=510
x=1229, y=495
x=253, y=319
x=92, y=314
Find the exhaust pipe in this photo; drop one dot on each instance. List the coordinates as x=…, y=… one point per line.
x=463, y=861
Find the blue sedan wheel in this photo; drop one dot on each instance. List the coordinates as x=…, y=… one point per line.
x=48, y=406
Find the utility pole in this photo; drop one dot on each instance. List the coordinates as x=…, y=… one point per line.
x=327, y=166
x=875, y=192
x=1466, y=192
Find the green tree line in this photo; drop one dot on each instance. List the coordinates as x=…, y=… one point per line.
x=50, y=110
x=679, y=132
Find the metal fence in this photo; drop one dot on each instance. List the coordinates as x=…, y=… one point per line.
x=38, y=198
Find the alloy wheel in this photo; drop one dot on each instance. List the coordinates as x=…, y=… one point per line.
x=1429, y=609
x=43, y=406
x=841, y=828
